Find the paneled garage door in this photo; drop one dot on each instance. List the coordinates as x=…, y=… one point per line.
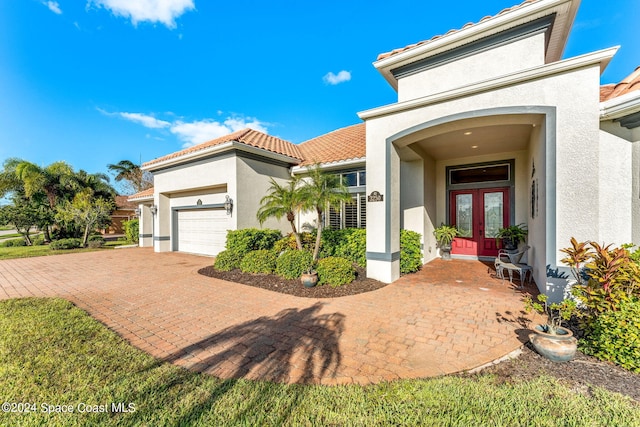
x=202, y=231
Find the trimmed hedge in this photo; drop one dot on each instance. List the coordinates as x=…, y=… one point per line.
x=96, y=241
x=13, y=243
x=335, y=271
x=291, y=264
x=614, y=336
x=260, y=261
x=66, y=244
x=251, y=239
x=227, y=260
x=410, y=252
x=132, y=230
x=289, y=242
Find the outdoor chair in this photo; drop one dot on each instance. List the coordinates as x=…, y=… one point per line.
x=510, y=261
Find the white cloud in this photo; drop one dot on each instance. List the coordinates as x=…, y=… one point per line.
x=145, y=120
x=53, y=7
x=162, y=11
x=334, y=79
x=197, y=132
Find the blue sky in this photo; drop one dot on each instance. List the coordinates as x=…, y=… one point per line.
x=93, y=82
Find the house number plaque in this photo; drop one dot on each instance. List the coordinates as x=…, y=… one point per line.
x=375, y=196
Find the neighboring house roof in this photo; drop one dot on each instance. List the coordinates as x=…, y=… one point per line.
x=452, y=31
x=348, y=143
x=123, y=203
x=629, y=84
x=249, y=137
x=142, y=195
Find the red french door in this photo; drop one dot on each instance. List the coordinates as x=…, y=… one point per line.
x=478, y=214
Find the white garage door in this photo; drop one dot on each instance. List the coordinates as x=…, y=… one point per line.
x=202, y=231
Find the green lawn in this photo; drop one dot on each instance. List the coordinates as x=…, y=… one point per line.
x=52, y=353
x=42, y=250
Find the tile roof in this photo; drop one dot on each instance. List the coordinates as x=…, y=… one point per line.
x=250, y=137
x=629, y=84
x=470, y=24
x=142, y=194
x=348, y=143
x=123, y=203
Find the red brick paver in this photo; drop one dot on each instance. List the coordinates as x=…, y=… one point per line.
x=449, y=317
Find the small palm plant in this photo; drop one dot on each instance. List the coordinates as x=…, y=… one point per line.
x=556, y=313
x=283, y=200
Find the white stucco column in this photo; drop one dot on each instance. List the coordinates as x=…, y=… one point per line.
x=383, y=217
x=145, y=237
x=162, y=224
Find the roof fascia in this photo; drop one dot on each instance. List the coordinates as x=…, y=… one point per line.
x=620, y=106
x=340, y=164
x=484, y=29
x=220, y=148
x=602, y=57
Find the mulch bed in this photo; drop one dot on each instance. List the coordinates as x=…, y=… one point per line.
x=294, y=287
x=581, y=374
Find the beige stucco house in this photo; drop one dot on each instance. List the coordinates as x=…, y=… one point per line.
x=491, y=128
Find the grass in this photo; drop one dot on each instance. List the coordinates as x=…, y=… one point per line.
x=43, y=250
x=53, y=353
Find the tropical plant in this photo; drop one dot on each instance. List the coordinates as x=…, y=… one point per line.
x=131, y=176
x=410, y=251
x=577, y=255
x=291, y=264
x=320, y=191
x=445, y=234
x=512, y=235
x=556, y=313
x=283, y=200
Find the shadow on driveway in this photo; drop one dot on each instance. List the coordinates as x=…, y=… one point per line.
x=295, y=345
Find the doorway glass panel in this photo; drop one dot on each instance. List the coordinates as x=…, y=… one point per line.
x=464, y=214
x=493, y=214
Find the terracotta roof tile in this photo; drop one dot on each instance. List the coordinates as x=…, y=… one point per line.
x=123, y=203
x=629, y=84
x=250, y=137
x=142, y=194
x=465, y=26
x=343, y=144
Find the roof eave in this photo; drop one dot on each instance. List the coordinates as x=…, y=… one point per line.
x=220, y=148
x=601, y=57
x=148, y=198
x=338, y=164
x=560, y=33
x=620, y=106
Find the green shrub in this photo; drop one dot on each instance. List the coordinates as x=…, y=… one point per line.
x=349, y=243
x=335, y=271
x=71, y=243
x=13, y=243
x=132, y=230
x=227, y=260
x=293, y=263
x=38, y=240
x=260, y=261
x=251, y=239
x=614, y=336
x=410, y=252
x=96, y=241
x=289, y=242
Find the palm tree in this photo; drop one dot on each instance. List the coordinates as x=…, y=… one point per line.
x=282, y=200
x=126, y=170
x=53, y=182
x=320, y=191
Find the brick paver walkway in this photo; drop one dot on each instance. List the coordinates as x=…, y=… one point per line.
x=447, y=318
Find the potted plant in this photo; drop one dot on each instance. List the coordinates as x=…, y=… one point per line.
x=510, y=237
x=444, y=236
x=309, y=278
x=552, y=340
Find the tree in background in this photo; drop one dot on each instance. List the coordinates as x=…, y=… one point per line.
x=23, y=215
x=132, y=178
x=85, y=211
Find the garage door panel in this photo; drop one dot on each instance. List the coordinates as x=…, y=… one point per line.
x=202, y=231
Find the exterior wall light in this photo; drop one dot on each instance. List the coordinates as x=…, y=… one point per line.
x=228, y=204
x=153, y=209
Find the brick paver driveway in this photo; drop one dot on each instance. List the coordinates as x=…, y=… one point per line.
x=448, y=318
